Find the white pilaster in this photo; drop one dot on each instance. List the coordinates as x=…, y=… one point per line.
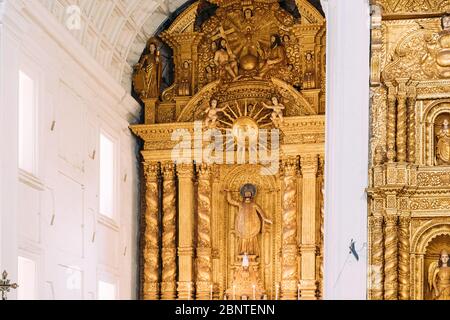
x=347, y=140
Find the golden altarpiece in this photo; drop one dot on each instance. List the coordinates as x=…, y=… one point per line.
x=409, y=191
x=214, y=230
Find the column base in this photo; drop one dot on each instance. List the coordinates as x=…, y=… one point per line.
x=186, y=290
x=168, y=291
x=308, y=290
x=151, y=291
x=203, y=291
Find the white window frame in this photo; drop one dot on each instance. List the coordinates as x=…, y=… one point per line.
x=107, y=277
x=36, y=259
x=34, y=75
x=109, y=220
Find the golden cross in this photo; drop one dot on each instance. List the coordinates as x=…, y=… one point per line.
x=6, y=285
x=222, y=33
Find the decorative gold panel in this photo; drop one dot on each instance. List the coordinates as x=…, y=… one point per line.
x=409, y=190
x=234, y=230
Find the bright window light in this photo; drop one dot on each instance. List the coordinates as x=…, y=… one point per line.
x=106, y=291
x=106, y=176
x=26, y=279
x=27, y=123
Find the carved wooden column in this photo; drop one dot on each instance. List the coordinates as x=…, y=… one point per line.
x=169, y=249
x=204, y=262
x=377, y=258
x=401, y=120
x=390, y=258
x=320, y=242
x=151, y=247
x=403, y=263
x=412, y=124
x=185, y=231
x=289, y=275
x=308, y=281
x=391, y=123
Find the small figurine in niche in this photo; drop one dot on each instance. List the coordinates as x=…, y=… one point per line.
x=309, y=81
x=439, y=277
x=148, y=72
x=443, y=144
x=209, y=74
x=277, y=114
x=445, y=22
x=184, y=87
x=211, y=114
x=226, y=60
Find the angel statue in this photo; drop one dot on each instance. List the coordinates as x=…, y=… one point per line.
x=248, y=220
x=211, y=114
x=277, y=114
x=439, y=277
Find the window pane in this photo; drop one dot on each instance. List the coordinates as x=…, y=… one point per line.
x=106, y=291
x=106, y=176
x=27, y=123
x=26, y=279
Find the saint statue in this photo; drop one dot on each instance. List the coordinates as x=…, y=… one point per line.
x=277, y=114
x=148, y=73
x=184, y=87
x=248, y=220
x=439, y=277
x=225, y=60
x=275, y=56
x=443, y=144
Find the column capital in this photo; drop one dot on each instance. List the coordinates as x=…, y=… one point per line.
x=391, y=219
x=289, y=166
x=185, y=170
x=309, y=163
x=151, y=171
x=168, y=169
x=204, y=170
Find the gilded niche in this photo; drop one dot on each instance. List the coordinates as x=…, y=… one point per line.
x=238, y=138
x=409, y=189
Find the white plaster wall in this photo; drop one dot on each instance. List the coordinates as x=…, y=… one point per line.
x=53, y=218
x=347, y=139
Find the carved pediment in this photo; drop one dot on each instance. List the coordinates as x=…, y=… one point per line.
x=422, y=54
x=403, y=7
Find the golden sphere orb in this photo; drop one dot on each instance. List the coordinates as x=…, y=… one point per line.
x=248, y=62
x=245, y=127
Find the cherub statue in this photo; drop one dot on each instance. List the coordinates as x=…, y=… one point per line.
x=439, y=277
x=211, y=114
x=277, y=114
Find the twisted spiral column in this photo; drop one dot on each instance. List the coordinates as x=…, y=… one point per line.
x=151, y=228
x=401, y=127
x=377, y=257
x=412, y=126
x=169, y=225
x=390, y=258
x=204, y=264
x=391, y=125
x=289, y=274
x=403, y=263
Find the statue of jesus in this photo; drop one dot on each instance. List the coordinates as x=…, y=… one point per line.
x=248, y=220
